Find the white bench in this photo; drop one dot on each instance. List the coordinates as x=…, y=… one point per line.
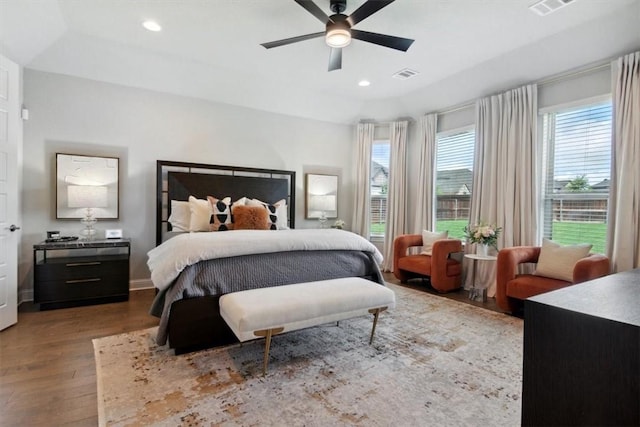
x=265, y=312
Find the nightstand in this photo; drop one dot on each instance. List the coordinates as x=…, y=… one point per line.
x=81, y=272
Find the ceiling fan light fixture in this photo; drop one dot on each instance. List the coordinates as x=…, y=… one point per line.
x=338, y=37
x=338, y=32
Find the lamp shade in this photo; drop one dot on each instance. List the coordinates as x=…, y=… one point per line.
x=87, y=196
x=323, y=203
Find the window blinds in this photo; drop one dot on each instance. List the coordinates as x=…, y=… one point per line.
x=454, y=178
x=577, y=174
x=379, y=186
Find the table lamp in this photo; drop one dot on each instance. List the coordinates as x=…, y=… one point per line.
x=87, y=197
x=323, y=203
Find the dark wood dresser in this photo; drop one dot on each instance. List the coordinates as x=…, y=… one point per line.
x=582, y=354
x=81, y=272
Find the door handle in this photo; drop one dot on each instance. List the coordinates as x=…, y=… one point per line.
x=13, y=228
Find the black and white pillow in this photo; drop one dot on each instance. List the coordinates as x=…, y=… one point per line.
x=277, y=213
x=221, y=218
x=222, y=212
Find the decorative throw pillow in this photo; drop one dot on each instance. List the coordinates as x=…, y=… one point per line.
x=200, y=214
x=250, y=218
x=557, y=261
x=180, y=218
x=221, y=218
x=240, y=202
x=277, y=213
x=429, y=237
x=282, y=214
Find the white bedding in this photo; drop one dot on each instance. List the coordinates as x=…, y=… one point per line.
x=174, y=255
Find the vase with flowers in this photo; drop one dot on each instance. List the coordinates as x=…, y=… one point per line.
x=339, y=224
x=483, y=235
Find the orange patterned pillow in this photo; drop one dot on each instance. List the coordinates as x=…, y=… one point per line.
x=250, y=218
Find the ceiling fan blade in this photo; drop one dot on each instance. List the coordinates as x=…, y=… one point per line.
x=366, y=10
x=335, y=58
x=313, y=9
x=290, y=40
x=393, y=42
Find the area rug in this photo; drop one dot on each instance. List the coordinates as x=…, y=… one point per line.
x=434, y=362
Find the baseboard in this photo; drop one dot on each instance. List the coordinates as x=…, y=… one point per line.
x=140, y=284
x=25, y=295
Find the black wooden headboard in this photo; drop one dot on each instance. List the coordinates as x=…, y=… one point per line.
x=179, y=180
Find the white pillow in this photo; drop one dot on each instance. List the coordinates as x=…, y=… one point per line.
x=180, y=217
x=429, y=237
x=280, y=212
x=200, y=214
x=557, y=261
x=242, y=201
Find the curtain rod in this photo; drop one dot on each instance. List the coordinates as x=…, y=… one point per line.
x=401, y=119
x=549, y=80
x=589, y=69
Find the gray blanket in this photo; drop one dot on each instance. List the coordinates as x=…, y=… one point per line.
x=224, y=275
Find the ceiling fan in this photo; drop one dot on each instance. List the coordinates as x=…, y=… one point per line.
x=339, y=29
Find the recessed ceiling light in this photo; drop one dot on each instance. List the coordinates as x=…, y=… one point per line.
x=152, y=26
x=364, y=83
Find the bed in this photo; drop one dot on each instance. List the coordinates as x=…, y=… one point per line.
x=191, y=270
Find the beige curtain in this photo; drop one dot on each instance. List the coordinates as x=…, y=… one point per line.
x=624, y=205
x=426, y=174
x=505, y=190
x=396, y=204
x=361, y=199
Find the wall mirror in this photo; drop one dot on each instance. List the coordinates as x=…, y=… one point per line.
x=86, y=182
x=321, y=196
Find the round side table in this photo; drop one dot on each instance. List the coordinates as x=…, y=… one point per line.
x=478, y=293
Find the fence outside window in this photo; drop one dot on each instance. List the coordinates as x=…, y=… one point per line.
x=576, y=217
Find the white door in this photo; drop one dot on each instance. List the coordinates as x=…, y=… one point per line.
x=10, y=124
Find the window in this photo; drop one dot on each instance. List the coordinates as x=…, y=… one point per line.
x=379, y=187
x=577, y=170
x=454, y=178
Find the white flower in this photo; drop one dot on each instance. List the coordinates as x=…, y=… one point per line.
x=483, y=233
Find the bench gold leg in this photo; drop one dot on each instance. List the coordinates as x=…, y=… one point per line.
x=267, y=333
x=376, y=312
x=267, y=345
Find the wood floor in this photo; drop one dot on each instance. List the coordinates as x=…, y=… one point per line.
x=47, y=367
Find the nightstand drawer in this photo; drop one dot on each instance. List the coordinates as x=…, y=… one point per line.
x=78, y=289
x=79, y=268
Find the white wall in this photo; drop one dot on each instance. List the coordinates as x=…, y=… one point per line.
x=78, y=116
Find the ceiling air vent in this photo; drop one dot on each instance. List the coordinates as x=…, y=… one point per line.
x=545, y=7
x=405, y=74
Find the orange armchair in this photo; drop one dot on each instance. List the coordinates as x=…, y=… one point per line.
x=512, y=286
x=445, y=272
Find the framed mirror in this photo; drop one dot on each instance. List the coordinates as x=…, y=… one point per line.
x=321, y=196
x=86, y=182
